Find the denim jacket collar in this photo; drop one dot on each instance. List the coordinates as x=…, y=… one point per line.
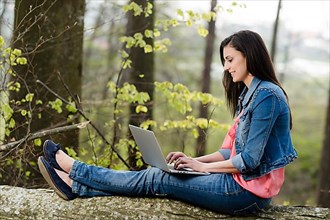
x=248, y=92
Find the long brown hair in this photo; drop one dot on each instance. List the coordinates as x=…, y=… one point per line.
x=258, y=63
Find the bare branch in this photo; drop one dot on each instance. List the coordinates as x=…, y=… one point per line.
x=43, y=133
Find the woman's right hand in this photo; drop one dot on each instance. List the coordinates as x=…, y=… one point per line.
x=173, y=156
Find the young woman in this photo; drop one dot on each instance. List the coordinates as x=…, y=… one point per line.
x=246, y=172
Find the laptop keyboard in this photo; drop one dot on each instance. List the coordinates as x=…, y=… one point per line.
x=171, y=167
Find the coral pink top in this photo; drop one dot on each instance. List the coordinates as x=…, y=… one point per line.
x=266, y=186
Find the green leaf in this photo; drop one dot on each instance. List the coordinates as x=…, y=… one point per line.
x=174, y=22
x=180, y=13
x=130, y=41
x=17, y=52
x=202, y=31
x=126, y=64
x=149, y=33
x=202, y=123
x=39, y=102
x=126, y=8
x=148, y=123
x=7, y=111
x=11, y=123
x=14, y=86
x=112, y=86
x=37, y=142
x=141, y=43
x=137, y=9
x=29, y=97
x=205, y=98
x=189, y=22
x=7, y=132
x=72, y=107
x=195, y=133
x=141, y=108
x=71, y=152
x=156, y=33
x=123, y=54
x=138, y=36
x=21, y=60
x=2, y=42
x=56, y=105
x=27, y=173
x=148, y=9
x=148, y=48
x=23, y=112
x=139, y=163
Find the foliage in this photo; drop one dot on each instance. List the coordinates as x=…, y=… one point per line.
x=188, y=18
x=10, y=83
x=10, y=58
x=180, y=100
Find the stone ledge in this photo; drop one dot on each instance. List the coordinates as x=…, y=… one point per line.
x=21, y=203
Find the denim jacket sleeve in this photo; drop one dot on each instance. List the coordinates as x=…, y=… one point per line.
x=261, y=114
x=225, y=153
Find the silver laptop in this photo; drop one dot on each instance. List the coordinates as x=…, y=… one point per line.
x=152, y=153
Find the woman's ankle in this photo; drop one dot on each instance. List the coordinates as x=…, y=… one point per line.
x=65, y=177
x=64, y=160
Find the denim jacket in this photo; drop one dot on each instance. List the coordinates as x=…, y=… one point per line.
x=263, y=142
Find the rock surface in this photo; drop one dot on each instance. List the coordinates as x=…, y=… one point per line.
x=21, y=203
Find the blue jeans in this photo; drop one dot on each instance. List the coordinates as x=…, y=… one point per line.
x=218, y=192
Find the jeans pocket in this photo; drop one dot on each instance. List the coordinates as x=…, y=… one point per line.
x=231, y=186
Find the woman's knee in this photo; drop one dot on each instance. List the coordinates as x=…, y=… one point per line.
x=153, y=171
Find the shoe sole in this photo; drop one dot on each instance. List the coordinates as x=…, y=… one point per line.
x=49, y=179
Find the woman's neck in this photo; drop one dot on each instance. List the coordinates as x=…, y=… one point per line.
x=248, y=80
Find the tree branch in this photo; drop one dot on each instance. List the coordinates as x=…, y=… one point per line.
x=43, y=133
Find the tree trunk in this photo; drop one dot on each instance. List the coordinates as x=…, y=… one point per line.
x=206, y=76
x=323, y=197
x=142, y=64
x=50, y=34
x=3, y=10
x=275, y=31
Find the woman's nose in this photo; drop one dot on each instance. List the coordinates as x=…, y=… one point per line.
x=226, y=66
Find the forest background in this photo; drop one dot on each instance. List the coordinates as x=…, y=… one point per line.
x=301, y=58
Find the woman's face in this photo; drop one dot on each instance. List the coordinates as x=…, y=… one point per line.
x=235, y=64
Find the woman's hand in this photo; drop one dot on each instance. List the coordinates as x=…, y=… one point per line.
x=209, y=163
x=182, y=161
x=188, y=162
x=173, y=156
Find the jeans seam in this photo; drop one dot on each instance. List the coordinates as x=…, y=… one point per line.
x=203, y=189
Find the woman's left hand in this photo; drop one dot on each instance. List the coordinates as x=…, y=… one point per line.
x=188, y=162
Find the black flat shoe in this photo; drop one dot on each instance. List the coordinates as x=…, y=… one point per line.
x=50, y=149
x=58, y=185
